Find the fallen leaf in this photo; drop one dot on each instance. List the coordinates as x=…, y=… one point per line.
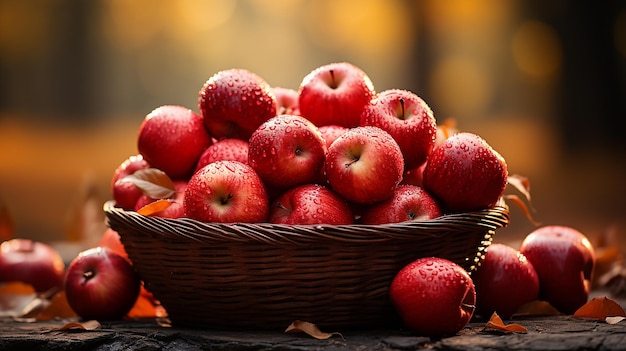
x=16, y=287
x=58, y=308
x=614, y=320
x=147, y=307
x=310, y=329
x=536, y=308
x=155, y=207
x=522, y=185
x=496, y=323
x=87, y=325
x=152, y=182
x=600, y=308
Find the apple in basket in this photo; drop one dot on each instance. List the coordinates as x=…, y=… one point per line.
x=408, y=119
x=408, y=203
x=31, y=262
x=172, y=138
x=335, y=93
x=235, y=102
x=101, y=284
x=175, y=209
x=287, y=151
x=504, y=281
x=364, y=165
x=310, y=204
x=226, y=192
x=225, y=149
x=465, y=174
x=564, y=260
x=433, y=296
x=124, y=193
x=287, y=100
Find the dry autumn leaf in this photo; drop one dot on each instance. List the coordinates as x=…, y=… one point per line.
x=521, y=184
x=496, y=323
x=600, y=308
x=155, y=207
x=146, y=307
x=58, y=308
x=87, y=325
x=310, y=329
x=152, y=182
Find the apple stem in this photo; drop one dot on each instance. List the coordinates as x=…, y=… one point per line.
x=348, y=164
x=401, y=108
x=88, y=275
x=333, y=83
x=225, y=201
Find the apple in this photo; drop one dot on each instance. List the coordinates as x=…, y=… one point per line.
x=414, y=176
x=227, y=192
x=286, y=151
x=175, y=210
x=225, y=149
x=235, y=102
x=101, y=284
x=408, y=119
x=564, y=260
x=408, y=203
x=310, y=204
x=124, y=193
x=504, y=281
x=465, y=174
x=364, y=165
x=433, y=296
x=31, y=262
x=331, y=132
x=287, y=100
x=335, y=93
x=172, y=138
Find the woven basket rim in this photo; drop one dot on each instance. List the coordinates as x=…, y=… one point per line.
x=485, y=220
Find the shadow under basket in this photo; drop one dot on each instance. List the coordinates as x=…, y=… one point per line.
x=265, y=275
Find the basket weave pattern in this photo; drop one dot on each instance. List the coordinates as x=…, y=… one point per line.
x=265, y=275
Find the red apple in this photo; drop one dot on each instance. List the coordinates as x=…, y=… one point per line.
x=465, y=174
x=414, y=176
x=227, y=192
x=287, y=100
x=125, y=194
x=175, y=210
x=408, y=119
x=408, y=203
x=31, y=262
x=335, y=93
x=504, y=281
x=433, y=296
x=331, y=133
x=310, y=204
x=235, y=102
x=225, y=149
x=287, y=151
x=564, y=260
x=101, y=284
x=172, y=138
x=364, y=165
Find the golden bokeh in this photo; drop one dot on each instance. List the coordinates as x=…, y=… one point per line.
x=536, y=49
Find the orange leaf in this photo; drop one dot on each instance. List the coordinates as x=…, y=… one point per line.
x=600, y=308
x=58, y=308
x=155, y=207
x=146, y=307
x=521, y=184
x=310, y=329
x=496, y=323
x=535, y=309
x=152, y=182
x=87, y=325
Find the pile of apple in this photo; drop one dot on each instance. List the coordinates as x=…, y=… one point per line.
x=334, y=151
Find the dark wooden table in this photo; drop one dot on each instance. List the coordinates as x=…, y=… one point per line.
x=547, y=333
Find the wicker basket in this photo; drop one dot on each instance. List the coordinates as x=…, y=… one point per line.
x=266, y=276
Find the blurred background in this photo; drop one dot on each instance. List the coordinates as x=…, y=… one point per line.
x=544, y=82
